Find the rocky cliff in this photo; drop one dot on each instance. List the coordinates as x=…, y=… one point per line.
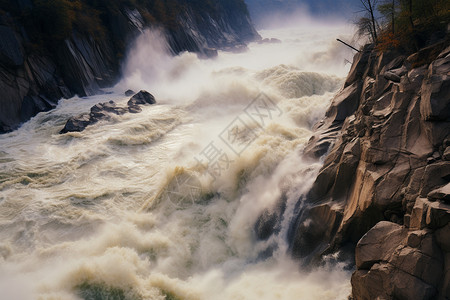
x=56, y=49
x=385, y=182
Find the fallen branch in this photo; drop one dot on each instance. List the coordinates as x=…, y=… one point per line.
x=347, y=45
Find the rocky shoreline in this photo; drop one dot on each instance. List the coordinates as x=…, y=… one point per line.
x=384, y=188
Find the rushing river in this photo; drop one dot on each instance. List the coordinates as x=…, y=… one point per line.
x=163, y=204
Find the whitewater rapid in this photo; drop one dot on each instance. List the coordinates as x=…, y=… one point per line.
x=163, y=204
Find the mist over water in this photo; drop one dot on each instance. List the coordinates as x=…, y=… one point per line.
x=130, y=208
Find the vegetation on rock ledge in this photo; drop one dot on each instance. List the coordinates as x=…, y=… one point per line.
x=405, y=25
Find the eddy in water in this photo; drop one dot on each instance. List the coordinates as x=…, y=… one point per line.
x=163, y=204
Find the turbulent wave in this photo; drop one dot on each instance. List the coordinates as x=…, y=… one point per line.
x=135, y=207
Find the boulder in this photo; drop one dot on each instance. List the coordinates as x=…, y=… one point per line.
x=103, y=111
x=442, y=194
x=77, y=124
x=143, y=97
x=129, y=93
x=377, y=244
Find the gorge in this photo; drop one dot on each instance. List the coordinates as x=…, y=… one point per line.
x=278, y=172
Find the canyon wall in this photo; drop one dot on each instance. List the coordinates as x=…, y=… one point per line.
x=40, y=63
x=383, y=191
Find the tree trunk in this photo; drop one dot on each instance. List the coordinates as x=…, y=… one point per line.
x=374, y=28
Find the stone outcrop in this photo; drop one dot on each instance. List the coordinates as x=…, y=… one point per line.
x=104, y=111
x=384, y=185
x=33, y=78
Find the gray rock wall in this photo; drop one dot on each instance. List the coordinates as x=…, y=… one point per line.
x=383, y=188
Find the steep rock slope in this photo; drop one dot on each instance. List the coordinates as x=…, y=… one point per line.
x=384, y=186
x=44, y=57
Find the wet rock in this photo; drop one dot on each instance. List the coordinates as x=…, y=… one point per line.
x=143, y=97
x=269, y=222
x=313, y=231
x=77, y=124
x=129, y=93
x=134, y=109
x=103, y=111
x=269, y=41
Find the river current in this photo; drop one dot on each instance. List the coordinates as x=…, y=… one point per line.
x=163, y=204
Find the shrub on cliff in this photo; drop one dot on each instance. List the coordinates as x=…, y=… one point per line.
x=407, y=25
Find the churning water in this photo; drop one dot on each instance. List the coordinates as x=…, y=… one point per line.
x=163, y=204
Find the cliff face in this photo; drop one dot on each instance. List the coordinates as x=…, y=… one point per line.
x=385, y=183
x=35, y=74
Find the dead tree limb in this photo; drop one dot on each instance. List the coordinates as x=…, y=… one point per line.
x=347, y=45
